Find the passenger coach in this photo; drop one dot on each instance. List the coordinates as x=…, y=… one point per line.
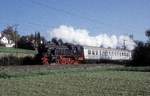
x=96, y=54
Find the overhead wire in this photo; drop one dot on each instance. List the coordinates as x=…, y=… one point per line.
x=97, y=23
x=90, y=19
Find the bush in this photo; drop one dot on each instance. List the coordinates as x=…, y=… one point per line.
x=9, y=60
x=12, y=60
x=141, y=55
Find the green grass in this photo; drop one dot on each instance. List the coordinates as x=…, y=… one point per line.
x=16, y=50
x=93, y=81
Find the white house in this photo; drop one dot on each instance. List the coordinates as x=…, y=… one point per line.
x=4, y=40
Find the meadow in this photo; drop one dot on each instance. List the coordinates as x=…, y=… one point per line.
x=16, y=50
x=74, y=81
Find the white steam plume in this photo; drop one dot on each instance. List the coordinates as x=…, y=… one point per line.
x=82, y=37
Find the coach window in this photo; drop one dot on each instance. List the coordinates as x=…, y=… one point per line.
x=89, y=51
x=102, y=52
x=112, y=53
x=117, y=53
x=122, y=54
x=93, y=53
x=127, y=54
x=106, y=53
x=96, y=52
x=109, y=52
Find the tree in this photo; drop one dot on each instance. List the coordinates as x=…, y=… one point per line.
x=31, y=41
x=38, y=38
x=25, y=43
x=147, y=33
x=141, y=54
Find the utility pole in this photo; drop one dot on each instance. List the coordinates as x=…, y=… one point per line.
x=16, y=39
x=15, y=35
x=124, y=44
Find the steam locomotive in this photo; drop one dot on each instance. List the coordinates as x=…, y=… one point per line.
x=76, y=54
x=61, y=54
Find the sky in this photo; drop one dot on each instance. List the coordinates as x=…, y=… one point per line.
x=113, y=17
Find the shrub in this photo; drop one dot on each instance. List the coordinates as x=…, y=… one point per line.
x=12, y=60
x=141, y=55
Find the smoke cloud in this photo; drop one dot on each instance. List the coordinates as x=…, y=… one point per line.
x=82, y=37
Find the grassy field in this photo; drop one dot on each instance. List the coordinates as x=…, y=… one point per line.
x=16, y=50
x=76, y=81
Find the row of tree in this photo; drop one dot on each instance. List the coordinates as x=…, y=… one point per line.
x=26, y=41
x=141, y=54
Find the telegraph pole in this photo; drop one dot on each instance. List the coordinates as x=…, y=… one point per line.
x=16, y=25
x=16, y=39
x=124, y=44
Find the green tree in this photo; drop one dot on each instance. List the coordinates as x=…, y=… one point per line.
x=25, y=42
x=141, y=54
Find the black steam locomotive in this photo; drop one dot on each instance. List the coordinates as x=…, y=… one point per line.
x=61, y=54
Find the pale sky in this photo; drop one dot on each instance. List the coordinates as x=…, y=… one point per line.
x=118, y=17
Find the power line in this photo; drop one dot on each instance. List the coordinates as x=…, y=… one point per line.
x=68, y=12
x=97, y=22
x=62, y=11
x=81, y=16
